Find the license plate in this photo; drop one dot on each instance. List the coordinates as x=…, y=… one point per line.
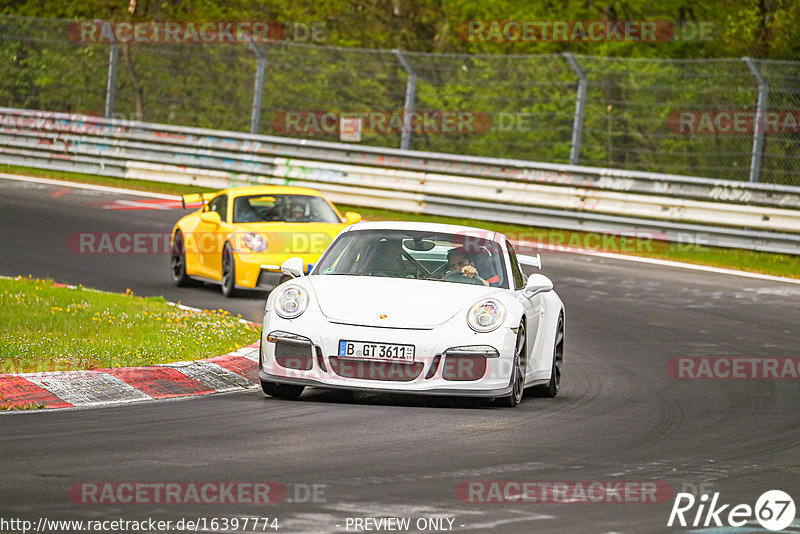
x=376, y=351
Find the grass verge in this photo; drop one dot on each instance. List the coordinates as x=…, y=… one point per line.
x=6, y=406
x=745, y=260
x=49, y=327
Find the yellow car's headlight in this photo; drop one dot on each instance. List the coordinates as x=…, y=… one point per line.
x=291, y=302
x=255, y=242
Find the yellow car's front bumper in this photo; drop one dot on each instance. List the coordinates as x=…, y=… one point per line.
x=263, y=270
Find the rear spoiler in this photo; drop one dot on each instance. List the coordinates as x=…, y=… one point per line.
x=532, y=261
x=196, y=198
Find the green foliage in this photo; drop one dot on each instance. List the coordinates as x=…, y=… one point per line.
x=525, y=90
x=740, y=27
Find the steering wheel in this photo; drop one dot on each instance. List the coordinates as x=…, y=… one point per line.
x=458, y=277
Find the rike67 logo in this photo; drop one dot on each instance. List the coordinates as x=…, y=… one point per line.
x=774, y=510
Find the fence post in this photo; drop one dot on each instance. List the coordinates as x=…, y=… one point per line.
x=258, y=89
x=580, y=105
x=759, y=121
x=411, y=94
x=111, y=87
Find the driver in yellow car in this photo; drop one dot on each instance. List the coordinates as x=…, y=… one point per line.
x=296, y=212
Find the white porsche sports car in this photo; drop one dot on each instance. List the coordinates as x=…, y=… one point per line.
x=414, y=308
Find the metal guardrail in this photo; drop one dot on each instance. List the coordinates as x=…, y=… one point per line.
x=676, y=208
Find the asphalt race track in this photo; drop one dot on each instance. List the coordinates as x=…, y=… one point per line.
x=619, y=416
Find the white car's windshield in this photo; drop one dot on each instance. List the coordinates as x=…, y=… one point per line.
x=445, y=257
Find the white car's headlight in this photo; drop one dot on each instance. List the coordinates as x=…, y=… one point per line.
x=255, y=242
x=291, y=302
x=486, y=315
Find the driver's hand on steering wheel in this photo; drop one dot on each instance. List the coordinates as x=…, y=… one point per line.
x=469, y=271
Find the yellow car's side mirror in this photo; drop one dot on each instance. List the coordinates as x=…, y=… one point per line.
x=352, y=217
x=211, y=217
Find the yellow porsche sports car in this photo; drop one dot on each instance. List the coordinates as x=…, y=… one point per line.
x=240, y=236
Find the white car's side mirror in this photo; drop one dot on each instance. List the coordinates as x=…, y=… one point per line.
x=293, y=267
x=537, y=283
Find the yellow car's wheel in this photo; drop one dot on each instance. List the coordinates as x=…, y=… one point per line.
x=178, y=262
x=228, y=272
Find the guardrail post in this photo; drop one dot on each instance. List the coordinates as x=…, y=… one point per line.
x=759, y=121
x=258, y=89
x=111, y=87
x=580, y=105
x=411, y=94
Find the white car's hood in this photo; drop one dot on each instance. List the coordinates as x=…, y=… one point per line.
x=392, y=302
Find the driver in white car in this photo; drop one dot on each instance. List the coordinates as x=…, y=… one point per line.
x=459, y=268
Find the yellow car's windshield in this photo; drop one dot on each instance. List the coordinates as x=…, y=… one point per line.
x=283, y=208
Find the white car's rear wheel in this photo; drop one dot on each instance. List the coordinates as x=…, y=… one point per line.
x=552, y=387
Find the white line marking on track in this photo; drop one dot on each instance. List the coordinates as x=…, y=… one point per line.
x=663, y=263
x=694, y=267
x=90, y=187
x=157, y=204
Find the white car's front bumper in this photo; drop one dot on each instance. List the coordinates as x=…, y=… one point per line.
x=312, y=359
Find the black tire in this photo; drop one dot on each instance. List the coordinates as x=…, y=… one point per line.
x=551, y=389
x=228, y=281
x=178, y=262
x=518, y=370
x=282, y=391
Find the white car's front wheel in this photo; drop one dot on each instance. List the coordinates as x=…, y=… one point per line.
x=517, y=370
x=281, y=391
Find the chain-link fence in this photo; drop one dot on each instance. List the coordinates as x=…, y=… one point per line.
x=723, y=118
